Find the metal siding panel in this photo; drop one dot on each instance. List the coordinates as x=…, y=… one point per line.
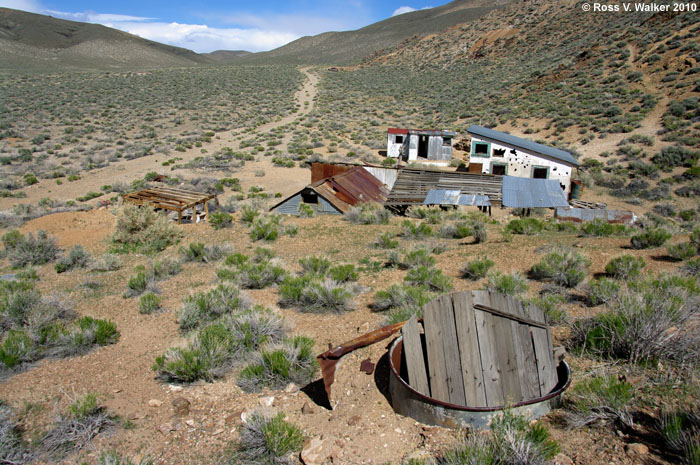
x=326, y=207
x=434, y=147
x=290, y=207
x=532, y=193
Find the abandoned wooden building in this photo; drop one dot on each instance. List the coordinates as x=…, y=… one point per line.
x=494, y=152
x=426, y=146
x=336, y=194
x=187, y=204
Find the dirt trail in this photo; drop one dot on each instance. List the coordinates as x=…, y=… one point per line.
x=126, y=171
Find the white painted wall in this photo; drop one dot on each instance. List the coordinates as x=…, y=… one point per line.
x=521, y=162
x=393, y=149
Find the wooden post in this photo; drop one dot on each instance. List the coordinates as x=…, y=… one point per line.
x=206, y=210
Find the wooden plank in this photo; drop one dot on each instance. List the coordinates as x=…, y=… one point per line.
x=498, y=312
x=545, y=362
x=505, y=352
x=489, y=361
x=413, y=354
x=437, y=370
x=453, y=365
x=472, y=374
x=527, y=362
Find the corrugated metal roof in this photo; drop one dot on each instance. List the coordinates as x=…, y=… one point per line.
x=455, y=197
x=532, y=193
x=423, y=132
x=523, y=143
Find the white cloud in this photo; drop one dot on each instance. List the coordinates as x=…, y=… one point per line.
x=407, y=9
x=26, y=5
x=202, y=38
x=92, y=17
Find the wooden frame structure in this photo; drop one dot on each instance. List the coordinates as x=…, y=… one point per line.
x=171, y=199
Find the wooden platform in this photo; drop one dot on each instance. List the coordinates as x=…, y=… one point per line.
x=480, y=349
x=171, y=199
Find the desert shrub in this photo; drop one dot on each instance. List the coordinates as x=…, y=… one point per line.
x=221, y=345
x=316, y=295
x=306, y=210
x=412, y=231
x=17, y=348
x=142, y=229
x=249, y=213
x=87, y=333
x=267, y=440
x=414, y=258
x=276, y=365
x=220, y=220
x=315, y=265
x=368, y=213
x=198, y=252
x=553, y=307
x=431, y=215
x=77, y=258
x=647, y=321
x=682, y=250
x=401, y=301
x=107, y=262
x=202, y=307
x=510, y=284
x=149, y=303
x=266, y=228
x=602, y=290
x=252, y=275
x=112, y=457
x=12, y=448
x=564, y=266
x=386, y=241
x=429, y=277
x=680, y=432
x=655, y=237
x=476, y=269
x=513, y=440
x=692, y=267
x=601, y=228
x=30, y=249
x=343, y=273
x=625, y=267
x=600, y=399
x=75, y=430
x=138, y=283
x=527, y=226
x=479, y=232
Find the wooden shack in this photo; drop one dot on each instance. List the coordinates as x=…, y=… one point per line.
x=171, y=199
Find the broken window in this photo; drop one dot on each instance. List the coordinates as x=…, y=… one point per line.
x=398, y=139
x=499, y=169
x=447, y=141
x=540, y=172
x=481, y=148
x=309, y=197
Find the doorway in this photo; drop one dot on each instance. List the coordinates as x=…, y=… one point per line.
x=422, y=146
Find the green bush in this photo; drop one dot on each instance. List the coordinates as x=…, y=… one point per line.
x=16, y=348
x=680, y=433
x=77, y=258
x=682, y=250
x=343, y=273
x=476, y=269
x=306, y=210
x=692, y=267
x=141, y=229
x=601, y=228
x=416, y=257
x=90, y=332
x=509, y=284
x=386, y=241
x=565, y=267
x=202, y=307
x=315, y=265
x=267, y=440
x=253, y=275
x=527, y=226
x=30, y=249
x=277, y=365
x=412, y=231
x=265, y=228
x=625, y=267
x=650, y=238
x=553, y=307
x=220, y=220
x=429, y=277
x=600, y=399
x=602, y=290
x=149, y=303
x=368, y=213
x=198, y=252
x=401, y=301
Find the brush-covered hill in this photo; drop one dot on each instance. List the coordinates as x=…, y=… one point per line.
x=31, y=41
x=226, y=56
x=352, y=46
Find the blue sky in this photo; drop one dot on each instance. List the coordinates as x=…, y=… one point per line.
x=224, y=25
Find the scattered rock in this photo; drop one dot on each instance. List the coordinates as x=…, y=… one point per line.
x=561, y=459
x=354, y=420
x=291, y=388
x=191, y=423
x=316, y=451
x=175, y=388
x=363, y=328
x=266, y=401
x=165, y=428
x=636, y=449
x=181, y=406
x=419, y=456
x=367, y=366
x=233, y=418
x=306, y=409
x=217, y=432
x=155, y=403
